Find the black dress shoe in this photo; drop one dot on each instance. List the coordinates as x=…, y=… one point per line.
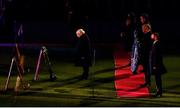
x=142, y=70
x=146, y=84
x=53, y=77
x=158, y=94
x=129, y=64
x=86, y=77
x=135, y=73
x=83, y=78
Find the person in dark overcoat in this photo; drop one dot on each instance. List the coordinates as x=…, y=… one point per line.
x=83, y=52
x=146, y=47
x=127, y=34
x=157, y=67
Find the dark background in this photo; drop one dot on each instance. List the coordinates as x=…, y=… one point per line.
x=55, y=21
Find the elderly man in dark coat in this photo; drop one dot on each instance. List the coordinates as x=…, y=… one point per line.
x=84, y=52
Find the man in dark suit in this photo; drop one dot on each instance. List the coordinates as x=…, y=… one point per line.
x=157, y=67
x=84, y=52
x=146, y=47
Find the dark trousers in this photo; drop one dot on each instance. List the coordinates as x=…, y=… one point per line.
x=147, y=74
x=147, y=78
x=146, y=68
x=158, y=83
x=85, y=72
x=85, y=65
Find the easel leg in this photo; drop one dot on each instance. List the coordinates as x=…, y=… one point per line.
x=10, y=70
x=37, y=67
x=19, y=79
x=52, y=74
x=18, y=82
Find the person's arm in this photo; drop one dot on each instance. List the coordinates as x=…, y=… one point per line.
x=157, y=56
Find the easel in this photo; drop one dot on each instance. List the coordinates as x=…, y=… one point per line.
x=44, y=52
x=19, y=77
x=18, y=59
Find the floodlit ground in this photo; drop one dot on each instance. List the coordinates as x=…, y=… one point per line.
x=68, y=90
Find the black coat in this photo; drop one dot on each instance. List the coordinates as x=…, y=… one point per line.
x=145, y=47
x=84, y=51
x=156, y=59
x=128, y=37
x=146, y=43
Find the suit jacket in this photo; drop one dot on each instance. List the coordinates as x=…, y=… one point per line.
x=156, y=59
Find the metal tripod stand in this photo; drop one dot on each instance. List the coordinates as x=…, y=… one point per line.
x=44, y=52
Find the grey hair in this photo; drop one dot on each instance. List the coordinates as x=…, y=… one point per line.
x=82, y=31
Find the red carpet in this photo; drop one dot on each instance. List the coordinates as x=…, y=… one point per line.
x=127, y=84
